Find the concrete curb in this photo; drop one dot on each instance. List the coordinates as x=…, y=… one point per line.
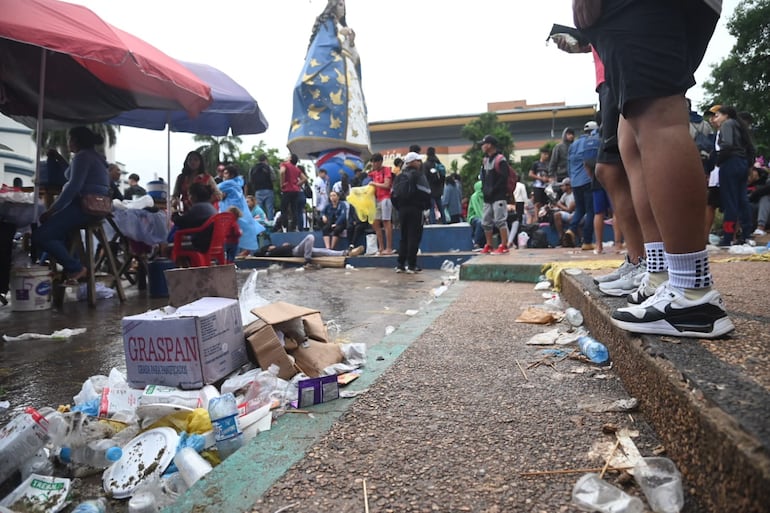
x=718, y=446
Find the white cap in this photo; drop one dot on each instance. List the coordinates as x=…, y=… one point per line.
x=591, y=125
x=411, y=157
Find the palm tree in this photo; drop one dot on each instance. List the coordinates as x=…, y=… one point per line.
x=218, y=149
x=58, y=138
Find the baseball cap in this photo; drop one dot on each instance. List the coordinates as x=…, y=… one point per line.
x=715, y=108
x=566, y=181
x=491, y=139
x=411, y=157
x=591, y=125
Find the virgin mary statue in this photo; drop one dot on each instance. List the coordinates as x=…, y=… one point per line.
x=329, y=121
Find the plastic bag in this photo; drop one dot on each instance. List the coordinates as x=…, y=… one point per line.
x=362, y=198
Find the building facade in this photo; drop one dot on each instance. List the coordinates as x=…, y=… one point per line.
x=530, y=125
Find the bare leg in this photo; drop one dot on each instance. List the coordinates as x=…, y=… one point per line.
x=599, y=231
x=670, y=164
x=378, y=230
x=327, y=242
x=616, y=182
x=388, y=236
x=504, y=236
x=334, y=242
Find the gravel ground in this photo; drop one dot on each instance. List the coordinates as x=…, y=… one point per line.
x=452, y=424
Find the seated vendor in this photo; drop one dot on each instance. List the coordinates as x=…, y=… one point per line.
x=200, y=211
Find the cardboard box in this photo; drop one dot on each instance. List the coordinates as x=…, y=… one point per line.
x=267, y=349
x=186, y=285
x=195, y=345
x=312, y=357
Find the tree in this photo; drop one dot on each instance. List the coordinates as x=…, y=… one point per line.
x=474, y=131
x=742, y=79
x=528, y=160
x=218, y=149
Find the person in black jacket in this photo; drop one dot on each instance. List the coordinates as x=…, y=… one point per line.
x=261, y=180
x=435, y=172
x=735, y=150
x=494, y=186
x=410, y=210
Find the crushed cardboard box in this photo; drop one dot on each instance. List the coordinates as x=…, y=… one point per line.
x=305, y=345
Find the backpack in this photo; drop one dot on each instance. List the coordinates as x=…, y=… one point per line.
x=703, y=141
x=538, y=240
x=591, y=149
x=513, y=177
x=403, y=189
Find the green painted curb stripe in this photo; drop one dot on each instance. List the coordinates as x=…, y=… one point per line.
x=245, y=476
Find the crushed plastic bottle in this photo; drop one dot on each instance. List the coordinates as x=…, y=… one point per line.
x=574, y=317
x=97, y=454
x=593, y=350
x=592, y=493
x=223, y=411
x=263, y=389
x=20, y=439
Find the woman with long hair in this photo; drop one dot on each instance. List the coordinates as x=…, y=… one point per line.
x=86, y=174
x=193, y=171
x=734, y=151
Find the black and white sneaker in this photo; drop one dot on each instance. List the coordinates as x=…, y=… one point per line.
x=644, y=292
x=669, y=312
x=400, y=269
x=618, y=273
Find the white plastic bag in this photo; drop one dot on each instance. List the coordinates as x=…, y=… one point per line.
x=371, y=244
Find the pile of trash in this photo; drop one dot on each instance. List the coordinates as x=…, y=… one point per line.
x=201, y=380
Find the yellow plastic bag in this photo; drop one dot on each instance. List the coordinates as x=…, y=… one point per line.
x=193, y=422
x=362, y=198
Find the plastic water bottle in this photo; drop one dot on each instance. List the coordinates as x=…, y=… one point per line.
x=97, y=454
x=20, y=439
x=92, y=506
x=593, y=350
x=223, y=411
x=594, y=494
x=263, y=389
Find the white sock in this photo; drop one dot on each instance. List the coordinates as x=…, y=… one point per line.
x=689, y=270
x=656, y=257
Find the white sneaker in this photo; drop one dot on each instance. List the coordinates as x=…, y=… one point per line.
x=618, y=273
x=643, y=292
x=626, y=284
x=759, y=232
x=669, y=312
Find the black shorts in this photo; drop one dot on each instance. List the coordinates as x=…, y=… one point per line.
x=609, y=153
x=540, y=196
x=651, y=49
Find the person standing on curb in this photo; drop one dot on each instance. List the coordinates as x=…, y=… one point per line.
x=410, y=204
x=494, y=185
x=648, y=77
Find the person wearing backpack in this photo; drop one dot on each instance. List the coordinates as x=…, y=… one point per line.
x=435, y=172
x=494, y=185
x=410, y=196
x=581, y=186
x=261, y=180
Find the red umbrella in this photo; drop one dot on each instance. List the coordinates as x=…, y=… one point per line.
x=91, y=72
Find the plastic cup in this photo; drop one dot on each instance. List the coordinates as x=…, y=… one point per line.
x=661, y=483
x=191, y=465
x=591, y=493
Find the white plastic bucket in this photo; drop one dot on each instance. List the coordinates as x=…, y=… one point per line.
x=30, y=289
x=157, y=190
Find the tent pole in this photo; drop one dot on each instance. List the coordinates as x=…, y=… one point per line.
x=168, y=170
x=39, y=134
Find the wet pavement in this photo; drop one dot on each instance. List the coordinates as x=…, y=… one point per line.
x=361, y=302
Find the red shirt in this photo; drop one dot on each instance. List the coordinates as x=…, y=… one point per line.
x=234, y=232
x=290, y=181
x=381, y=176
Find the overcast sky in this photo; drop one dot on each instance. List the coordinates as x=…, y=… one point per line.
x=419, y=58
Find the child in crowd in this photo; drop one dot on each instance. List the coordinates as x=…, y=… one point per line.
x=233, y=235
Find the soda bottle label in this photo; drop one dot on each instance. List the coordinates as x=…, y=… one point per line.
x=225, y=428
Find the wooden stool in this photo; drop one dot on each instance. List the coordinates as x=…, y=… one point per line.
x=87, y=256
